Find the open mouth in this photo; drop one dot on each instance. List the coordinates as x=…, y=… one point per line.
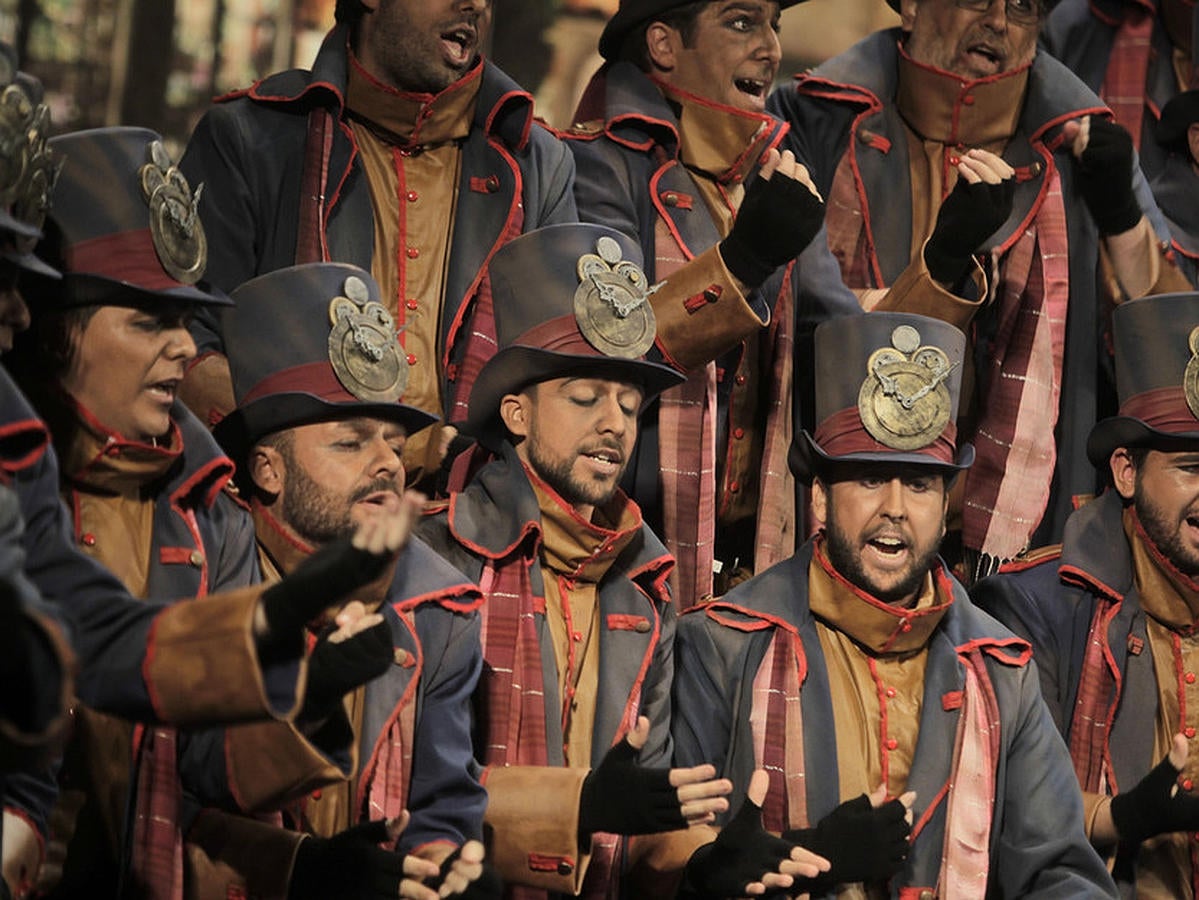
x=164, y=390
x=752, y=86
x=888, y=548
x=459, y=44
x=605, y=460
x=985, y=58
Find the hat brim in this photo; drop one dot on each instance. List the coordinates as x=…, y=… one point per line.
x=808, y=459
x=86, y=289
x=28, y=262
x=515, y=367
x=627, y=18
x=1125, y=431
x=246, y=425
x=1177, y=117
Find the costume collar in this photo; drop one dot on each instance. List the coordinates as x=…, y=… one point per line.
x=1165, y=593
x=97, y=458
x=719, y=141
x=941, y=106
x=410, y=120
x=578, y=549
x=882, y=628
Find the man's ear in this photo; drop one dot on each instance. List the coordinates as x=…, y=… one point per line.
x=1124, y=472
x=267, y=469
x=515, y=412
x=662, y=45
x=907, y=14
x=819, y=496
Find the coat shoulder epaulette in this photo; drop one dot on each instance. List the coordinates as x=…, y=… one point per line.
x=1031, y=558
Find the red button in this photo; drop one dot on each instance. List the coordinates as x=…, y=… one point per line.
x=89, y=540
x=413, y=196
x=316, y=795
x=411, y=303
x=738, y=433
x=577, y=636
x=413, y=252
x=953, y=160
x=968, y=100
x=1187, y=784
x=734, y=487
x=892, y=744
x=1189, y=732
x=905, y=627
x=740, y=379
x=891, y=692
x=412, y=359
x=1190, y=676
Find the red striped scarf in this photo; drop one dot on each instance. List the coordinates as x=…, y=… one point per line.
x=776, y=722
x=1095, y=706
x=385, y=784
x=156, y=867
x=1123, y=87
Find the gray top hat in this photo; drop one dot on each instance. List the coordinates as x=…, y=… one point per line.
x=568, y=299
x=307, y=344
x=887, y=390
x=634, y=12
x=124, y=224
x=1157, y=376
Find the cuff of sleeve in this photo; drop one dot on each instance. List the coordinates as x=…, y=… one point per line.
x=269, y=764
x=702, y=312
x=202, y=664
x=1091, y=806
x=207, y=388
x=25, y=744
x=657, y=861
x=532, y=821
x=229, y=856
x=915, y=291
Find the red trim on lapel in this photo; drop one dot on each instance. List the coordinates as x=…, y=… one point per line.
x=763, y=622
x=498, y=108
x=444, y=598
x=629, y=717
x=627, y=622
x=30, y=427
x=220, y=470
x=661, y=208
x=529, y=528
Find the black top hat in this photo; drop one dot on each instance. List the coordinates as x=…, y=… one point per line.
x=568, y=299
x=887, y=390
x=307, y=344
x=27, y=168
x=124, y=225
x=634, y=12
x=1177, y=117
x=1157, y=376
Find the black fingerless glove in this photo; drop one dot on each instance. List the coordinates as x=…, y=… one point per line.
x=488, y=886
x=349, y=865
x=622, y=797
x=970, y=214
x=336, y=669
x=1105, y=177
x=860, y=842
x=742, y=853
x=777, y=220
x=331, y=573
x=1148, y=809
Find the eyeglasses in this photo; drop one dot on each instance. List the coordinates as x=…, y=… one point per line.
x=1022, y=12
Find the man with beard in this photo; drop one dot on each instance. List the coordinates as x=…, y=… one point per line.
x=1111, y=612
x=859, y=673
x=319, y=434
x=403, y=152
x=884, y=129
x=578, y=628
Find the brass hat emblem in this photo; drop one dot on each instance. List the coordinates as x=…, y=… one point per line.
x=904, y=403
x=362, y=346
x=1190, y=378
x=610, y=303
x=28, y=169
x=174, y=217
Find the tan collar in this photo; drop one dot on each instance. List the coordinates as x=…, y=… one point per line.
x=940, y=106
x=881, y=628
x=578, y=549
x=410, y=120
x=718, y=141
x=96, y=458
x=1165, y=593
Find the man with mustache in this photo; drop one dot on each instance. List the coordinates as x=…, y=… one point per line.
x=404, y=152
x=574, y=705
x=886, y=129
x=859, y=673
x=319, y=435
x=1111, y=611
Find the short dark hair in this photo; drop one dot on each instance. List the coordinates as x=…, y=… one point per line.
x=46, y=352
x=633, y=49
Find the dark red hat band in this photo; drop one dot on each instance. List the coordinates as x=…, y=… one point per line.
x=127, y=256
x=842, y=433
x=560, y=335
x=1163, y=409
x=316, y=378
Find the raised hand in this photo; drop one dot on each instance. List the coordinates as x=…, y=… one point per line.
x=1156, y=805
x=1104, y=155
x=979, y=203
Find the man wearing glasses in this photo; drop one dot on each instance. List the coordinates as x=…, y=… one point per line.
x=909, y=136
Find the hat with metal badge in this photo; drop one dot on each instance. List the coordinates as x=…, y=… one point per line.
x=333, y=354
x=1157, y=377
x=568, y=299
x=887, y=390
x=124, y=225
x=28, y=169
x=635, y=12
